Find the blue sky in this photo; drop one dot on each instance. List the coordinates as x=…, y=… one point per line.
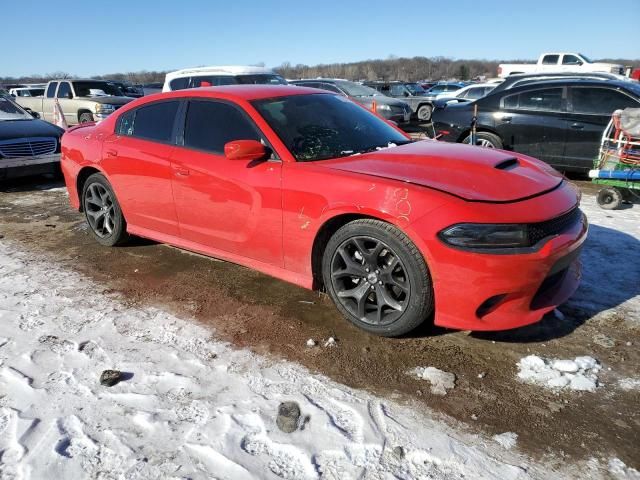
x=87, y=37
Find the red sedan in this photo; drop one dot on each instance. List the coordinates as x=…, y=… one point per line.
x=311, y=188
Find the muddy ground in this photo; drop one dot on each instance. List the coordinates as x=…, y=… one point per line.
x=269, y=316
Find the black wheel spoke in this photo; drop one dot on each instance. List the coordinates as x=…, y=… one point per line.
x=370, y=280
x=99, y=208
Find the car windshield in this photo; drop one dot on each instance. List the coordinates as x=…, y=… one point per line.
x=96, y=89
x=415, y=89
x=585, y=58
x=12, y=111
x=321, y=126
x=357, y=90
x=261, y=79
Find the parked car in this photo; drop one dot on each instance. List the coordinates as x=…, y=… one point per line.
x=389, y=108
x=445, y=87
x=560, y=62
x=81, y=100
x=409, y=92
x=151, y=88
x=26, y=92
x=313, y=189
x=28, y=146
x=560, y=121
x=216, y=76
x=129, y=90
x=470, y=92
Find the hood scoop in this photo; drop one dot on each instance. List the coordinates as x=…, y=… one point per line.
x=507, y=164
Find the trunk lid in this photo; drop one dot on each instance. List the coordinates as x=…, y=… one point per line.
x=472, y=173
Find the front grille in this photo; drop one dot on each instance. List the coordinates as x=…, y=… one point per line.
x=28, y=147
x=555, y=226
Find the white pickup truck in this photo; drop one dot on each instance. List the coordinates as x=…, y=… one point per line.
x=559, y=62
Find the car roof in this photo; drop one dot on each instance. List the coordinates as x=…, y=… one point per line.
x=574, y=81
x=241, y=92
x=221, y=70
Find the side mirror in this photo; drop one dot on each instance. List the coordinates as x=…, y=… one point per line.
x=247, y=150
x=34, y=114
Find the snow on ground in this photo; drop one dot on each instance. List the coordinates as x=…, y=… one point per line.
x=191, y=406
x=507, y=439
x=578, y=374
x=440, y=381
x=611, y=266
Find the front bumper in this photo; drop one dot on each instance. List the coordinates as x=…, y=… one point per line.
x=500, y=292
x=24, y=166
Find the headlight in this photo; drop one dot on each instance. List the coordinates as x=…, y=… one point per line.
x=105, y=108
x=383, y=108
x=486, y=236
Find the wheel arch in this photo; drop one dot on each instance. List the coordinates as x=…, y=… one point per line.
x=467, y=131
x=324, y=233
x=83, y=110
x=81, y=178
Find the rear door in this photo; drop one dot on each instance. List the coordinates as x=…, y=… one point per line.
x=136, y=159
x=590, y=109
x=532, y=122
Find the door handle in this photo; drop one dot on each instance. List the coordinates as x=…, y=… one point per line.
x=577, y=126
x=506, y=119
x=112, y=153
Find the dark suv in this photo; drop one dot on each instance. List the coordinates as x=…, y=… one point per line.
x=559, y=121
x=389, y=108
x=410, y=92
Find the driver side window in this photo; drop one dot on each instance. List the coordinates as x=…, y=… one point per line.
x=397, y=90
x=210, y=125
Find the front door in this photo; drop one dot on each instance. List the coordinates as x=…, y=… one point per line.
x=230, y=205
x=590, y=109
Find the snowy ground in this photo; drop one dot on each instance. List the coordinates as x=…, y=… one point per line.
x=195, y=407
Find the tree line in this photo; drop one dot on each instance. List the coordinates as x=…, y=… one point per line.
x=392, y=68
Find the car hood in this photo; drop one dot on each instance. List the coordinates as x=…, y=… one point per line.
x=109, y=99
x=11, y=129
x=380, y=100
x=472, y=173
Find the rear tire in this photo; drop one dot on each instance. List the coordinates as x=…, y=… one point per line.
x=102, y=211
x=610, y=198
x=424, y=113
x=85, y=117
x=485, y=139
x=377, y=278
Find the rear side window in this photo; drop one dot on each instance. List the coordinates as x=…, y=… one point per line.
x=211, y=81
x=210, y=125
x=155, y=121
x=550, y=59
x=51, y=89
x=125, y=123
x=549, y=99
x=599, y=101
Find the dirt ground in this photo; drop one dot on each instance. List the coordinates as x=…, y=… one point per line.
x=269, y=316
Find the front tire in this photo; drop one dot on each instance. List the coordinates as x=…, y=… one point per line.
x=377, y=278
x=102, y=211
x=85, y=117
x=424, y=113
x=485, y=139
